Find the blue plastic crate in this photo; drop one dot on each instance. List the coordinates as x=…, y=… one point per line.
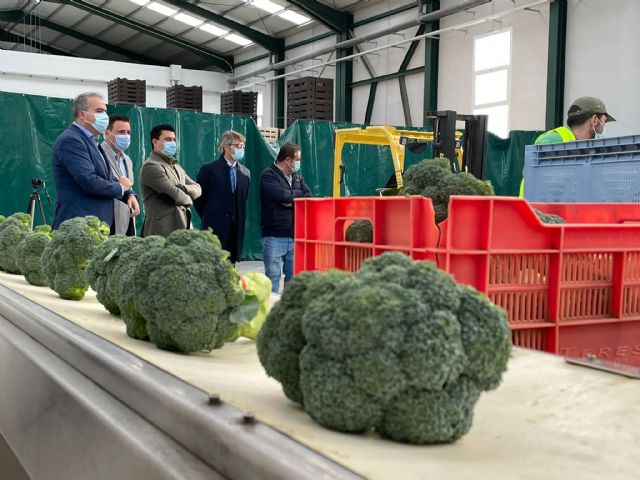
x=602, y=170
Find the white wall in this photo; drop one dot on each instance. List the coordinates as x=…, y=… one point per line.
x=66, y=77
x=603, y=52
x=530, y=32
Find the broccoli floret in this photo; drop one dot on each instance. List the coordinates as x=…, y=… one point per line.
x=122, y=283
x=360, y=231
x=29, y=255
x=12, y=231
x=549, y=217
x=186, y=292
x=433, y=179
x=280, y=340
x=66, y=256
x=103, y=261
x=398, y=347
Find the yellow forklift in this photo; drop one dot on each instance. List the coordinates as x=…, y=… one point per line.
x=466, y=151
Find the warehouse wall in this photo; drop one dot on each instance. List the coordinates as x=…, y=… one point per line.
x=528, y=82
x=66, y=77
x=602, y=58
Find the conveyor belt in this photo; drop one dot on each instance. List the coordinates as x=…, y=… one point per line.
x=547, y=420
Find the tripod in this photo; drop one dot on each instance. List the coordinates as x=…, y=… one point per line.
x=35, y=199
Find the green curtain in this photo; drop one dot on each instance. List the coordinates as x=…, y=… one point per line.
x=505, y=161
x=30, y=125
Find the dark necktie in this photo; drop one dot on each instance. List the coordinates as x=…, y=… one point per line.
x=233, y=178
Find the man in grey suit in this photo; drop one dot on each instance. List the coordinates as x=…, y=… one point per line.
x=167, y=191
x=117, y=139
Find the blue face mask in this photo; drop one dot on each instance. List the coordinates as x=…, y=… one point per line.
x=296, y=166
x=169, y=149
x=600, y=134
x=122, y=142
x=238, y=154
x=101, y=121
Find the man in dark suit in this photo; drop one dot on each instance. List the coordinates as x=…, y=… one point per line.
x=225, y=189
x=84, y=182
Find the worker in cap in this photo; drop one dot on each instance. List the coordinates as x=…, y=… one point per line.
x=586, y=119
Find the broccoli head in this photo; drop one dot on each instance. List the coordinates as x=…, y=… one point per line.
x=29, y=255
x=433, y=179
x=66, y=256
x=12, y=231
x=186, y=291
x=360, y=231
x=102, y=262
x=399, y=347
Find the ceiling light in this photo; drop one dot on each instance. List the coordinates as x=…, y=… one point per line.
x=142, y=3
x=294, y=17
x=213, y=30
x=188, y=19
x=238, y=39
x=162, y=9
x=267, y=6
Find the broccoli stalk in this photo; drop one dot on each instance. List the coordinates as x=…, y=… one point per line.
x=399, y=347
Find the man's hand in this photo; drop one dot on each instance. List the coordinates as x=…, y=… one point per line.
x=134, y=207
x=125, y=182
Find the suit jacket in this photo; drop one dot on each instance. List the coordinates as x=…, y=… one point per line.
x=219, y=209
x=167, y=194
x=122, y=217
x=84, y=182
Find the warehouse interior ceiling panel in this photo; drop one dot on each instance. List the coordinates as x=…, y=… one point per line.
x=203, y=34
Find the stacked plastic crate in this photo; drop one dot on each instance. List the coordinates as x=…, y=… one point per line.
x=237, y=102
x=186, y=98
x=599, y=170
x=123, y=90
x=309, y=98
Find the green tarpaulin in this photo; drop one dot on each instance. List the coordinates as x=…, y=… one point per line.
x=29, y=126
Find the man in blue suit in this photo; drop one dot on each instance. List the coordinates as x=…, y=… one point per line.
x=85, y=184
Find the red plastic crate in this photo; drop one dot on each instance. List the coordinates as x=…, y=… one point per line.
x=572, y=289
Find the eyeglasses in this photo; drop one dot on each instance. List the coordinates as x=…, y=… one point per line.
x=238, y=145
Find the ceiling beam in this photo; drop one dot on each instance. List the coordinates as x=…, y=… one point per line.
x=268, y=42
x=7, y=36
x=223, y=62
x=334, y=19
x=18, y=16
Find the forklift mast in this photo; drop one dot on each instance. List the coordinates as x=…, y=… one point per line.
x=474, y=139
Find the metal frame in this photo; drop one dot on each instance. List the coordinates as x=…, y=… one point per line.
x=11, y=37
x=330, y=17
x=270, y=43
x=556, y=63
x=223, y=62
x=17, y=16
x=233, y=443
x=431, y=64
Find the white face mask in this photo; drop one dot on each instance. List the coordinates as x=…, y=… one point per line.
x=601, y=133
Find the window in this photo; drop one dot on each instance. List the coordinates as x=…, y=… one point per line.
x=260, y=109
x=491, y=71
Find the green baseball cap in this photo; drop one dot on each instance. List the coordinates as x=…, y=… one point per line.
x=589, y=105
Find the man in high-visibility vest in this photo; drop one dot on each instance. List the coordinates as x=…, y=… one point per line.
x=586, y=119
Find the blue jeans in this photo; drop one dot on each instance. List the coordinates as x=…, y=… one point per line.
x=277, y=254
